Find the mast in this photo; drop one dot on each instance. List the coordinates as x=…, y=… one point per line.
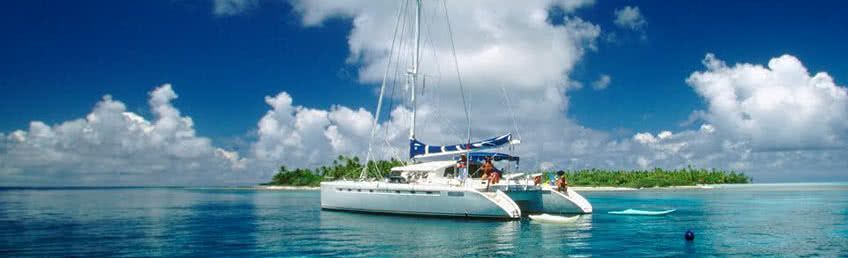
x=413, y=74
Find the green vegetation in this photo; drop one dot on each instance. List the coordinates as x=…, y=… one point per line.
x=342, y=168
x=651, y=178
x=350, y=168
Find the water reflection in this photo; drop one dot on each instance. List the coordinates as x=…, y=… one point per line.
x=208, y=224
x=570, y=239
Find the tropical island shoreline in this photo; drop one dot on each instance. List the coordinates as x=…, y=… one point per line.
x=581, y=179
x=576, y=188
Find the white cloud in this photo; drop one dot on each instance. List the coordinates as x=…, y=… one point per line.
x=502, y=48
x=113, y=146
x=233, y=7
x=507, y=46
x=780, y=106
x=602, y=83
x=775, y=123
x=630, y=17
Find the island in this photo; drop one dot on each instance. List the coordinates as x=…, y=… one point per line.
x=351, y=167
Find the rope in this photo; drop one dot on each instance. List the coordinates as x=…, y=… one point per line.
x=364, y=172
x=465, y=106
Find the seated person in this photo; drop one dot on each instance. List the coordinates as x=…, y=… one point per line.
x=495, y=176
x=487, y=169
x=562, y=182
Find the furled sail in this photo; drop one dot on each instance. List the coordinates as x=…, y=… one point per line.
x=419, y=149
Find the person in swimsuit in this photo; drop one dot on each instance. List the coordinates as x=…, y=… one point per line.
x=487, y=169
x=562, y=182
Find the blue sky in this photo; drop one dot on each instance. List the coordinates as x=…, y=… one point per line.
x=58, y=59
x=62, y=56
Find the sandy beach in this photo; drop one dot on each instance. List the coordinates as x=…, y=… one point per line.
x=576, y=188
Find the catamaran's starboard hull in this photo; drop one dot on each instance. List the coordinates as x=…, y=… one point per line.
x=410, y=199
x=534, y=199
x=550, y=201
x=569, y=202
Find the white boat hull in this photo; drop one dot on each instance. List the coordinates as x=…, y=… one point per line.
x=534, y=199
x=456, y=201
x=414, y=199
x=570, y=202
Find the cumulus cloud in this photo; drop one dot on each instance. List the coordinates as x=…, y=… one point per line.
x=630, y=17
x=113, y=145
x=302, y=137
x=510, y=58
x=233, y=7
x=778, y=106
x=515, y=67
x=602, y=83
x=776, y=122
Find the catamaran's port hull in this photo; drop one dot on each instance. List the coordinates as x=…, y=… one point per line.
x=450, y=201
x=411, y=199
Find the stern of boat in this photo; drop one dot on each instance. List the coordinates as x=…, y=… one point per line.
x=568, y=202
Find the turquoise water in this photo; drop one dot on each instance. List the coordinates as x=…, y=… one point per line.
x=767, y=220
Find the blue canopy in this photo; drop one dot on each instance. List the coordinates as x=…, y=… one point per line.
x=481, y=156
x=418, y=149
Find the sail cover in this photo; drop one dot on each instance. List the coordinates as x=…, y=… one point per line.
x=419, y=149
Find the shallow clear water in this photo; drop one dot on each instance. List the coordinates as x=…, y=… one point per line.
x=768, y=220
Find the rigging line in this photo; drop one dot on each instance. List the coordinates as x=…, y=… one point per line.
x=435, y=86
x=396, y=73
x=364, y=172
x=512, y=148
x=511, y=112
x=465, y=107
x=395, y=80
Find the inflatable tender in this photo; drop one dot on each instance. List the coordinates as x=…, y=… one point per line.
x=641, y=212
x=547, y=218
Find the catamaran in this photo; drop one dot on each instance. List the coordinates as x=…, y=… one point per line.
x=440, y=180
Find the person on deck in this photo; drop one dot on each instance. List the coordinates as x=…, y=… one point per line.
x=487, y=168
x=562, y=182
x=495, y=176
x=462, y=165
x=490, y=173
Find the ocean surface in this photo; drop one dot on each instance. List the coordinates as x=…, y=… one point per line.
x=752, y=220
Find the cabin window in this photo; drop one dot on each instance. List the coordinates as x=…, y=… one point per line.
x=428, y=192
x=397, y=192
x=450, y=172
x=413, y=192
x=397, y=180
x=371, y=191
x=456, y=194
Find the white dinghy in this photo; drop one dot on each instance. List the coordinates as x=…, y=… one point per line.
x=547, y=218
x=641, y=212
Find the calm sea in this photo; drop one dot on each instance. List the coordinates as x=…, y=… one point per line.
x=755, y=220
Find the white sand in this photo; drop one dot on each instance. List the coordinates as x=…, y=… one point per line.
x=288, y=188
x=576, y=188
